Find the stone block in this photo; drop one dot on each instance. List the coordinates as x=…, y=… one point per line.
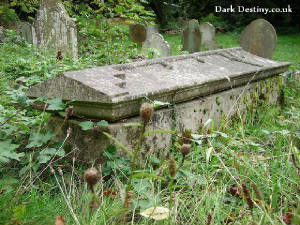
x=116, y=92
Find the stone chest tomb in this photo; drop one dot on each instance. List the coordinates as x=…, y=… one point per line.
x=201, y=86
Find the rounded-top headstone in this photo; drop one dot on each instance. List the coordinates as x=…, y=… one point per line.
x=259, y=38
x=208, y=39
x=138, y=33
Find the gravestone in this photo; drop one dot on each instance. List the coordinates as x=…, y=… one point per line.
x=115, y=91
x=150, y=30
x=27, y=31
x=54, y=28
x=259, y=38
x=137, y=33
x=1, y=34
x=205, y=85
x=208, y=39
x=191, y=37
x=156, y=41
x=181, y=22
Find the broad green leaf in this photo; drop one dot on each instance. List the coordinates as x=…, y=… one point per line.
x=38, y=139
x=44, y=158
x=55, y=104
x=52, y=152
x=7, y=151
x=157, y=104
x=86, y=125
x=102, y=123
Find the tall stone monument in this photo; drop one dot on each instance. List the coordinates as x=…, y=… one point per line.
x=259, y=38
x=54, y=28
x=191, y=37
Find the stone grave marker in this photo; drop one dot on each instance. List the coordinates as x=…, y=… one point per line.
x=54, y=28
x=181, y=22
x=114, y=92
x=208, y=39
x=137, y=33
x=150, y=30
x=259, y=38
x=27, y=31
x=156, y=41
x=191, y=37
x=204, y=85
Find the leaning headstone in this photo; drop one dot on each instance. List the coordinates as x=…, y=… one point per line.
x=191, y=37
x=137, y=33
x=208, y=39
x=26, y=31
x=156, y=41
x=259, y=38
x=54, y=28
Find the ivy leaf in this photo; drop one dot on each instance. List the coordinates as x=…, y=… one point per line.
x=55, y=104
x=7, y=151
x=86, y=125
x=102, y=123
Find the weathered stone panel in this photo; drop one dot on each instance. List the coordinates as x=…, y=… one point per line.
x=54, y=28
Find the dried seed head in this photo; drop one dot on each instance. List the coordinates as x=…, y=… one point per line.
x=172, y=166
x=146, y=112
x=94, y=204
x=185, y=149
x=96, y=129
x=186, y=137
x=247, y=195
x=69, y=111
x=128, y=199
x=91, y=176
x=209, y=219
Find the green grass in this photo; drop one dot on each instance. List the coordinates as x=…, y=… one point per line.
x=263, y=149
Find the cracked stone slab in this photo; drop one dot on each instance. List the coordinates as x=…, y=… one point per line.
x=116, y=91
